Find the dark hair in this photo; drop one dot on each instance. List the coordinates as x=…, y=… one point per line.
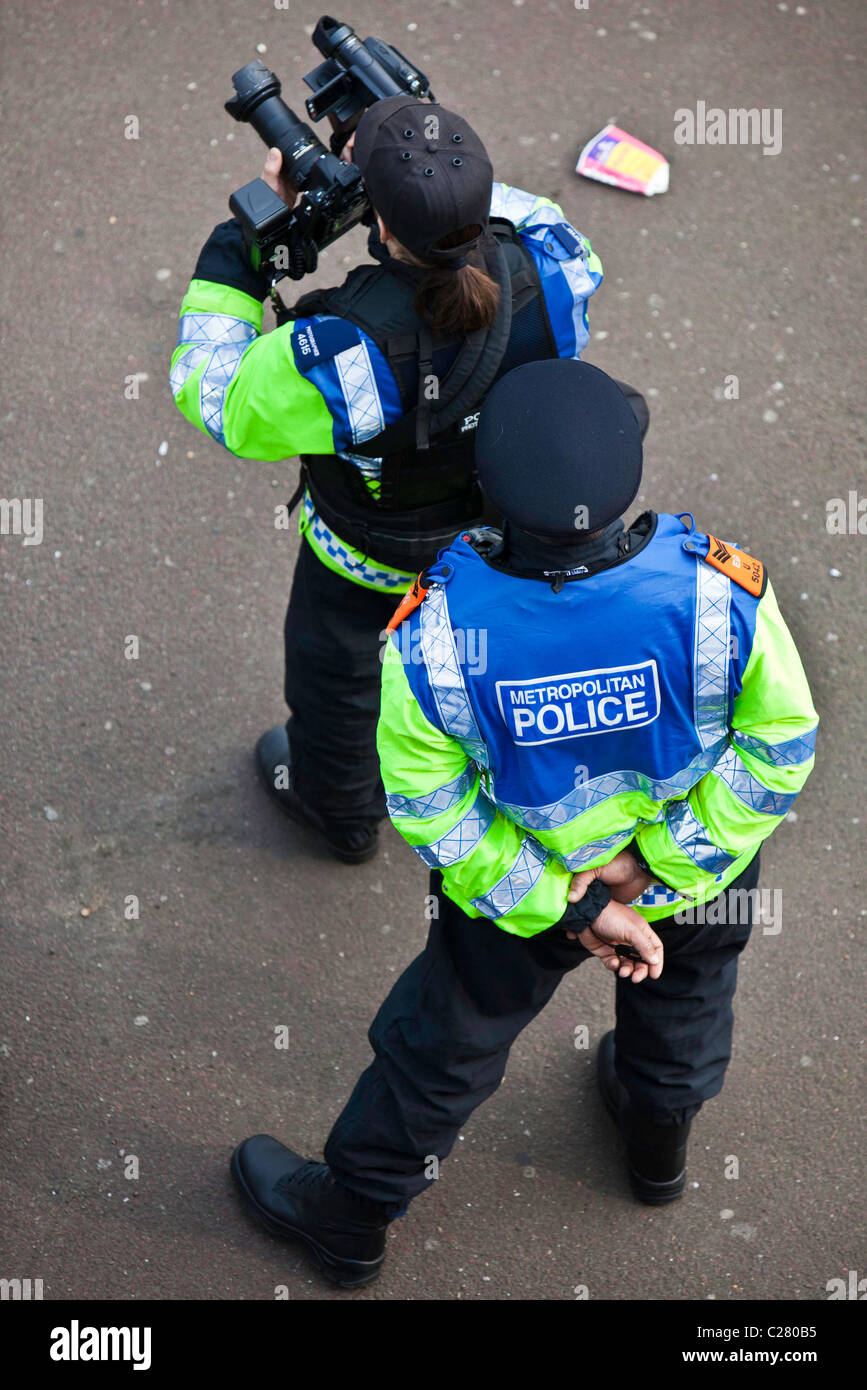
x=456, y=301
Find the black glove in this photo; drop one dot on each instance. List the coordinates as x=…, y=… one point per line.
x=224, y=260
x=584, y=913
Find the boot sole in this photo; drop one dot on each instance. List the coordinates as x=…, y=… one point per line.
x=348, y=856
x=653, y=1194
x=348, y=1274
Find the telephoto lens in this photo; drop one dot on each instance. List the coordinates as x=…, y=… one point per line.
x=258, y=102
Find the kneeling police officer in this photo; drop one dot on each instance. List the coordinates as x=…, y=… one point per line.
x=639, y=724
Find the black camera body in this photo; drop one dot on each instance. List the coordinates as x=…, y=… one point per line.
x=332, y=197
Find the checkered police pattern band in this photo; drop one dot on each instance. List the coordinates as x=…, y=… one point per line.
x=517, y=883
x=657, y=895
x=357, y=568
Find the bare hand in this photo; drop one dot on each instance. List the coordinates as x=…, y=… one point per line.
x=616, y=925
x=623, y=876
x=275, y=180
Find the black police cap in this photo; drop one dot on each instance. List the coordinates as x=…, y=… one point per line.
x=558, y=448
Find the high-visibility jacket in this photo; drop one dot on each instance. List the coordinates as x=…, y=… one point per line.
x=526, y=734
x=259, y=396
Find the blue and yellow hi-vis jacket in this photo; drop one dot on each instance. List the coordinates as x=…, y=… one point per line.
x=526, y=734
x=246, y=391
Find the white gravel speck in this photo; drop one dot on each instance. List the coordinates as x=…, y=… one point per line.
x=163, y=273
x=141, y=1020
x=770, y=417
x=50, y=813
x=726, y=1214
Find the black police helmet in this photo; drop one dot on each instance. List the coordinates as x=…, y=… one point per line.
x=558, y=448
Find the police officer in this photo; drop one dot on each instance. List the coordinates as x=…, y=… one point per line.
x=377, y=385
x=639, y=723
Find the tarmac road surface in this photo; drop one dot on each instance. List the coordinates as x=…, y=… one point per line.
x=153, y=1037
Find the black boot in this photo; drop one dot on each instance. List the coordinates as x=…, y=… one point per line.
x=297, y=1197
x=656, y=1153
x=353, y=845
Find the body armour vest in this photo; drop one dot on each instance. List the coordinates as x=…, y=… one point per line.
x=589, y=708
x=423, y=498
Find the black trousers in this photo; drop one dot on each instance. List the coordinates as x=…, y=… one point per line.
x=443, y=1035
x=332, y=687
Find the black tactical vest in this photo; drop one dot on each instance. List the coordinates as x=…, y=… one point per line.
x=428, y=490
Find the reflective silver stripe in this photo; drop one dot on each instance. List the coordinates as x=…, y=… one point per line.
x=445, y=676
x=581, y=287
x=432, y=803
x=186, y=365
x=786, y=754
x=219, y=340
x=358, y=384
x=462, y=838
x=711, y=654
x=517, y=883
x=517, y=205
x=749, y=789
x=694, y=839
x=600, y=789
x=579, y=857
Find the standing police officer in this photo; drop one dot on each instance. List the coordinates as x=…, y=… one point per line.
x=639, y=723
x=377, y=385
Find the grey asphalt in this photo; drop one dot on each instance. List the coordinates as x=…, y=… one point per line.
x=155, y=1038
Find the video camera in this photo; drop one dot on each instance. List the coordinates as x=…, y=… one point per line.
x=332, y=198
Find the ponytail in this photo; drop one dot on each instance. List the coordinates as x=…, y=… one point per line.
x=457, y=301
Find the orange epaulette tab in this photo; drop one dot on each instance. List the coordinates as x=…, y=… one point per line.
x=737, y=565
x=408, y=604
